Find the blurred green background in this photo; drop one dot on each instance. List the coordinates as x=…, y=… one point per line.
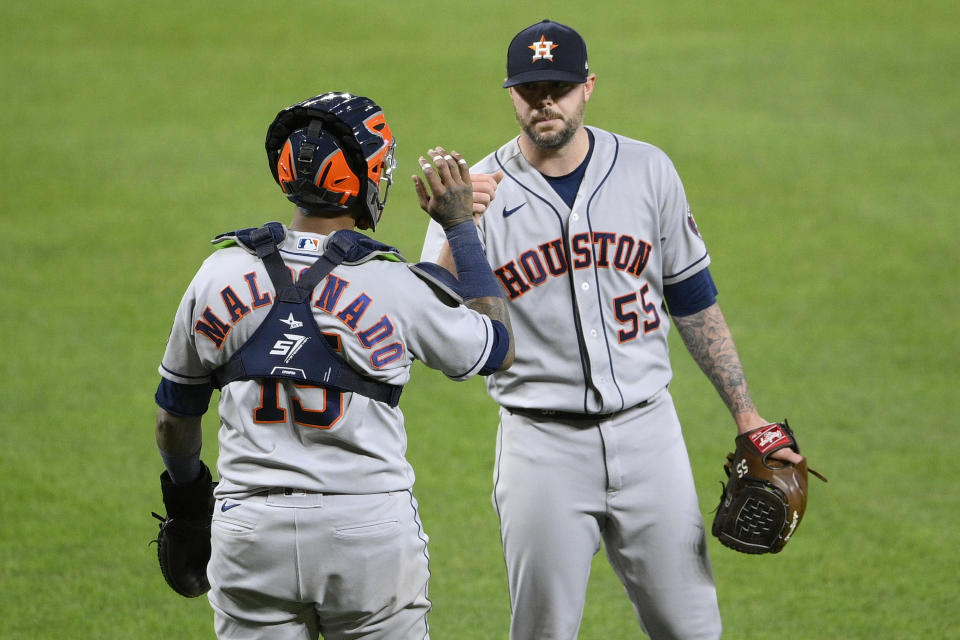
x=818, y=143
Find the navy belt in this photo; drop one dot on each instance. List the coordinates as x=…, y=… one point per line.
x=554, y=414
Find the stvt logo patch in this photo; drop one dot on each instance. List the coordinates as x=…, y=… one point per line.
x=542, y=49
x=767, y=438
x=289, y=347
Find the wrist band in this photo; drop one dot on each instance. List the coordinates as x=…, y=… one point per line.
x=182, y=469
x=473, y=272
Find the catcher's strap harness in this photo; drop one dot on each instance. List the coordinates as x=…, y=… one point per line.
x=183, y=543
x=308, y=358
x=765, y=498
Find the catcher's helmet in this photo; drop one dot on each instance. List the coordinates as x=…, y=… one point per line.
x=332, y=152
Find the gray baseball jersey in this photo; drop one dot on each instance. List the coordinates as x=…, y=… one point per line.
x=586, y=284
x=279, y=434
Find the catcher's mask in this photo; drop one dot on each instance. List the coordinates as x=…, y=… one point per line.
x=334, y=152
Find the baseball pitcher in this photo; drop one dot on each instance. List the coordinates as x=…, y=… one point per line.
x=593, y=243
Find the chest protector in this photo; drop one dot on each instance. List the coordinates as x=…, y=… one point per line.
x=288, y=344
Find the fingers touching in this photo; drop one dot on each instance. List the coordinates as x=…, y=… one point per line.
x=440, y=169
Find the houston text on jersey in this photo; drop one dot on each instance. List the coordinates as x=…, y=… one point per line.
x=606, y=250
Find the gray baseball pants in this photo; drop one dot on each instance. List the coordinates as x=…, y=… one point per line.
x=563, y=486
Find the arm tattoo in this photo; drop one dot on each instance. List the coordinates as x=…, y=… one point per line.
x=178, y=435
x=708, y=339
x=495, y=309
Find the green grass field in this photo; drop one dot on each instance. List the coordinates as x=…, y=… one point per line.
x=818, y=143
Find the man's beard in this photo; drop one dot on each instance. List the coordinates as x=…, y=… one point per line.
x=553, y=139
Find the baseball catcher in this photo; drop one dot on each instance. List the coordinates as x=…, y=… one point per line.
x=183, y=543
x=764, y=500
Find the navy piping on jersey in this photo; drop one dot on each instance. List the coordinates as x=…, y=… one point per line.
x=311, y=254
x=596, y=276
x=687, y=268
x=472, y=367
x=566, y=250
x=202, y=378
x=496, y=500
x=423, y=538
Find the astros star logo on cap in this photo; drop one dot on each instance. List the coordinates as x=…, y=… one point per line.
x=542, y=49
x=543, y=39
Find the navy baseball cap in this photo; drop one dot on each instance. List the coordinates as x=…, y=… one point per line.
x=546, y=51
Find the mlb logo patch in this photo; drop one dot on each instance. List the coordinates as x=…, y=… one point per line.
x=308, y=244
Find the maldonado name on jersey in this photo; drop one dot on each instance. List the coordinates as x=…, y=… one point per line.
x=329, y=298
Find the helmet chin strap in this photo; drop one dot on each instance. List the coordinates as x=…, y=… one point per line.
x=373, y=208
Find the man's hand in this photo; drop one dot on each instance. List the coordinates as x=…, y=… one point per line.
x=745, y=425
x=484, y=190
x=750, y=421
x=450, y=199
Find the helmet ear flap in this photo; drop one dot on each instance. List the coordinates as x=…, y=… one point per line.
x=285, y=169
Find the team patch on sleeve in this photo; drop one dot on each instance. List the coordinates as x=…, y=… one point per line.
x=692, y=223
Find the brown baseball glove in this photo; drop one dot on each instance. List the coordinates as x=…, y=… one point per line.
x=764, y=501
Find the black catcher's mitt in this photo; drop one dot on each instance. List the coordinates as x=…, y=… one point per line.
x=183, y=544
x=765, y=499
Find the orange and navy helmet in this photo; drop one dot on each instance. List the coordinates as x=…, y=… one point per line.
x=334, y=152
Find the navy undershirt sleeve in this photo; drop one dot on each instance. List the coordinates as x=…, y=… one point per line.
x=185, y=400
x=501, y=343
x=689, y=296
x=475, y=278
